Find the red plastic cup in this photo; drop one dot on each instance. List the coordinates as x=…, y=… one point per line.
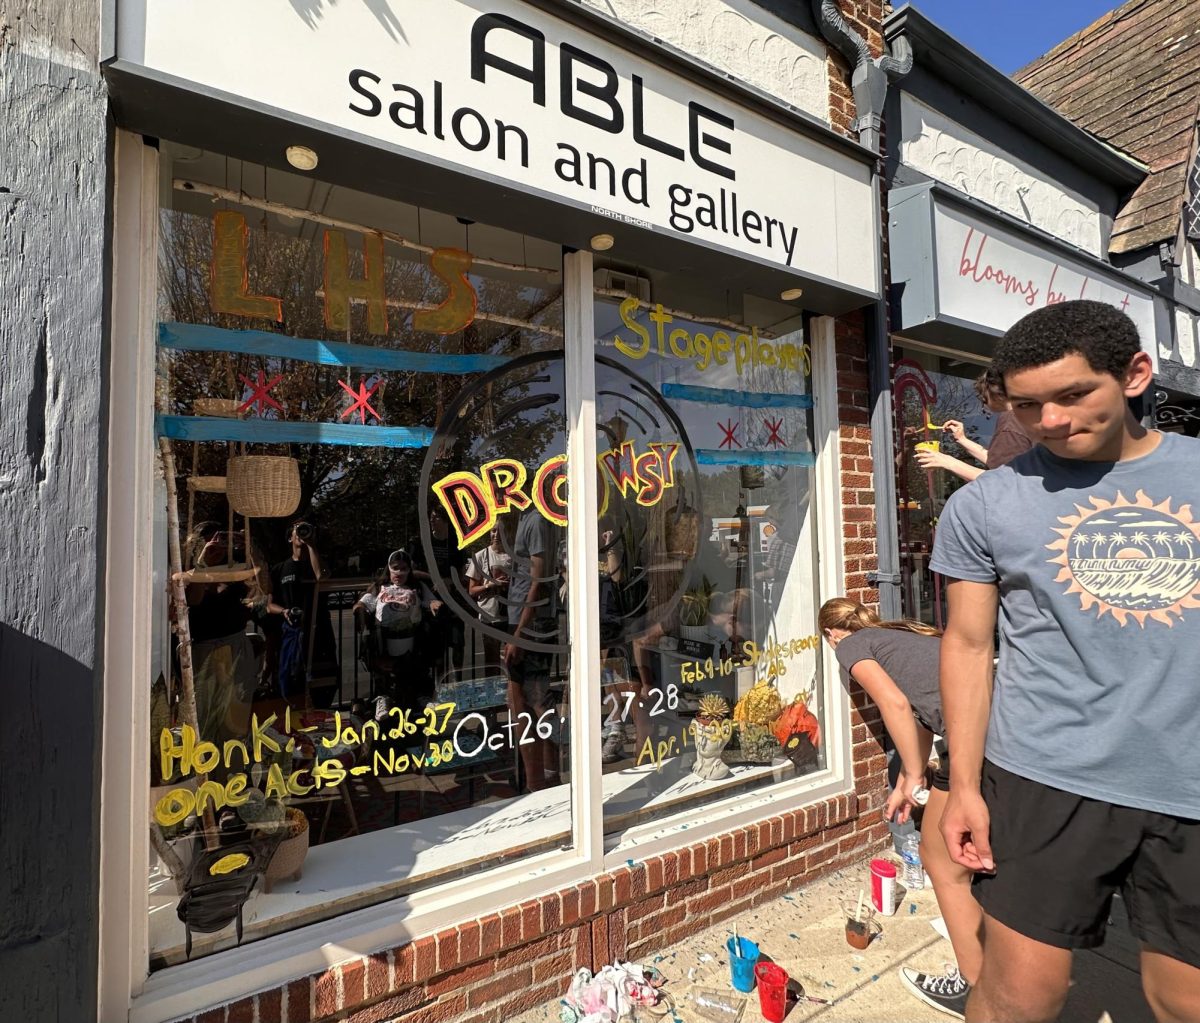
x=772, y=991
x=883, y=887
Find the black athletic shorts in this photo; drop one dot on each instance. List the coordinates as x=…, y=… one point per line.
x=941, y=775
x=1060, y=857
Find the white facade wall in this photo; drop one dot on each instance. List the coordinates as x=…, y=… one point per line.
x=740, y=39
x=934, y=144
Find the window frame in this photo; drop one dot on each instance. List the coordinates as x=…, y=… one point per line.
x=126, y=989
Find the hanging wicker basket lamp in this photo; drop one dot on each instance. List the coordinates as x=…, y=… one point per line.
x=263, y=486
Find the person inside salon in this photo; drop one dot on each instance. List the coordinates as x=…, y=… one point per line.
x=446, y=560
x=307, y=635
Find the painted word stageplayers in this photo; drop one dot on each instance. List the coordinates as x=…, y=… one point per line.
x=474, y=501
x=748, y=350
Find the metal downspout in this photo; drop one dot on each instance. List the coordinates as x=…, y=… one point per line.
x=869, y=82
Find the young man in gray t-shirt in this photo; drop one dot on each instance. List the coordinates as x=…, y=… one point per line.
x=1077, y=773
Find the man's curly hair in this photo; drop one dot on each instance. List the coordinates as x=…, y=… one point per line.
x=1101, y=333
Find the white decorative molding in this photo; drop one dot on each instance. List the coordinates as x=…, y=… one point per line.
x=934, y=144
x=1187, y=327
x=739, y=38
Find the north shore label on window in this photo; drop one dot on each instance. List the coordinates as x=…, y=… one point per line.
x=506, y=91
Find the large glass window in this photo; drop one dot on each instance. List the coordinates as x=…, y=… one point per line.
x=360, y=674
x=707, y=558
x=359, y=681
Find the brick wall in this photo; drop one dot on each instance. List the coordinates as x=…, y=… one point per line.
x=866, y=18
x=488, y=970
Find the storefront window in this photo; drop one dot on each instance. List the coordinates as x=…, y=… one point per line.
x=930, y=390
x=707, y=558
x=362, y=442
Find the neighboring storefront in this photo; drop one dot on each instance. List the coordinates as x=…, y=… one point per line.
x=476, y=472
x=996, y=206
x=1156, y=233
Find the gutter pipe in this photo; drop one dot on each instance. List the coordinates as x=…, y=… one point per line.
x=869, y=82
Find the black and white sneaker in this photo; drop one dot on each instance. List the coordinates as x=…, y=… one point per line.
x=946, y=992
x=612, y=750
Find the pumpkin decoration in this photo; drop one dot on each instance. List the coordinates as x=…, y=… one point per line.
x=760, y=706
x=795, y=719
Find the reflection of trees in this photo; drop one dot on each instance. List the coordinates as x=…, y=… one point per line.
x=365, y=498
x=956, y=399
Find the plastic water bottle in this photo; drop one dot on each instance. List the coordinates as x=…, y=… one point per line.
x=910, y=853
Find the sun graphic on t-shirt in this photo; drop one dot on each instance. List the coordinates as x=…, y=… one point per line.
x=1130, y=558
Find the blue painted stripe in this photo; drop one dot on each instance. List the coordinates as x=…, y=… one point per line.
x=198, y=337
x=714, y=456
x=743, y=399
x=276, y=431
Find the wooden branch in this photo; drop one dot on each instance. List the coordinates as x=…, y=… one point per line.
x=183, y=630
x=168, y=855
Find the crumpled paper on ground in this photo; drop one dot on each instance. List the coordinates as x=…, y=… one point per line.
x=608, y=996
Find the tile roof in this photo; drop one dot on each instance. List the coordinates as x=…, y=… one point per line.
x=1132, y=78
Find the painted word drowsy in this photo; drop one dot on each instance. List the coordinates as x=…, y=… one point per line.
x=474, y=501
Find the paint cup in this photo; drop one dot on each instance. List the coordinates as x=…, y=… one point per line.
x=718, y=1006
x=772, y=991
x=743, y=954
x=883, y=886
x=928, y=445
x=861, y=925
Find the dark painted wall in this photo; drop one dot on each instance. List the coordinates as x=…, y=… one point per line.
x=53, y=185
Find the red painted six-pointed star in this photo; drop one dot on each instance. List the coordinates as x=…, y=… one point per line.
x=260, y=392
x=361, y=399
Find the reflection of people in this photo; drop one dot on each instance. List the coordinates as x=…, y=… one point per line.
x=293, y=583
x=488, y=570
x=224, y=667
x=1076, y=771
x=896, y=663
x=396, y=603
x=532, y=616
x=447, y=561
x=1008, y=439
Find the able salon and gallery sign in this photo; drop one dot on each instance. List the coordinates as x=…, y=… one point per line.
x=506, y=91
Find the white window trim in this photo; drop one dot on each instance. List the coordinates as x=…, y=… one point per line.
x=125, y=990
x=831, y=562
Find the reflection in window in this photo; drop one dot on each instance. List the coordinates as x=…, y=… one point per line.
x=360, y=662
x=707, y=559
x=928, y=392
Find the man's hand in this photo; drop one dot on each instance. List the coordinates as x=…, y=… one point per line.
x=511, y=655
x=955, y=429
x=933, y=459
x=900, y=803
x=966, y=826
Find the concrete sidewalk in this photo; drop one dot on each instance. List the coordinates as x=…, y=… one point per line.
x=804, y=933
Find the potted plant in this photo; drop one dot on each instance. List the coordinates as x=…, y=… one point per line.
x=694, y=608
x=288, y=826
x=712, y=730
